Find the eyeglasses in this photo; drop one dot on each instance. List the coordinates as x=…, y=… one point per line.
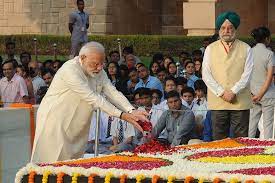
x=145, y=97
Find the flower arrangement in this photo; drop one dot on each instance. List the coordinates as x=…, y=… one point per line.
x=152, y=146
x=230, y=160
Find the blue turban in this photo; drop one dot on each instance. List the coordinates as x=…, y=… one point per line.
x=233, y=17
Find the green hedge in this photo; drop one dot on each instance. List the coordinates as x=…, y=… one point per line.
x=144, y=45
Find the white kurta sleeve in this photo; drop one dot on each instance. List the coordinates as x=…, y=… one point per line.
x=75, y=81
x=246, y=75
x=115, y=96
x=207, y=77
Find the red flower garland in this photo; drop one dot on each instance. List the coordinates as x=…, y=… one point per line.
x=255, y=142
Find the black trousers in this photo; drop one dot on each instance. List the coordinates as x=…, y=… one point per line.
x=225, y=122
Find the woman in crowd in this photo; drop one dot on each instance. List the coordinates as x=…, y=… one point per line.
x=198, y=63
x=166, y=61
x=154, y=68
x=21, y=71
x=113, y=73
x=261, y=85
x=172, y=69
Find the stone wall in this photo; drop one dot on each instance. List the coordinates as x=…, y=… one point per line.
x=253, y=13
x=49, y=16
x=107, y=16
x=167, y=17
x=136, y=17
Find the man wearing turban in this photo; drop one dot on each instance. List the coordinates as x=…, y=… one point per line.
x=227, y=66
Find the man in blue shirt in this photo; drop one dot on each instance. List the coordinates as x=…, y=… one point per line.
x=78, y=25
x=146, y=80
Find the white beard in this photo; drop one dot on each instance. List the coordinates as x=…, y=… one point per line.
x=228, y=38
x=91, y=74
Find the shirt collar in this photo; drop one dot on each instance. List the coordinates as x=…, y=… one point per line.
x=34, y=78
x=149, y=78
x=181, y=112
x=12, y=79
x=80, y=12
x=261, y=45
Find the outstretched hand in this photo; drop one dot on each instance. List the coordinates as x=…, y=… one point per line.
x=134, y=117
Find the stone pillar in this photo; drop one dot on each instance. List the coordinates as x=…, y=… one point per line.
x=271, y=15
x=172, y=17
x=199, y=17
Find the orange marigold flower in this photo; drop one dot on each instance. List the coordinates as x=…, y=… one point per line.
x=189, y=179
x=155, y=179
x=59, y=178
x=123, y=178
x=91, y=178
x=217, y=180
x=31, y=177
x=249, y=181
x=111, y=158
x=226, y=143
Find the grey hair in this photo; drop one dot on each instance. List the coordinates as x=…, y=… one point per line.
x=92, y=47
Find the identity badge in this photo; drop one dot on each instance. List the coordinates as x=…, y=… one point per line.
x=82, y=29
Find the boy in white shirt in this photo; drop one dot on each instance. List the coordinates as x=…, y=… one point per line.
x=155, y=113
x=200, y=109
x=105, y=138
x=122, y=134
x=187, y=96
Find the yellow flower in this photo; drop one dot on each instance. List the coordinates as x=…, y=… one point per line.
x=171, y=179
x=251, y=159
x=108, y=177
x=45, y=176
x=265, y=181
x=139, y=178
x=74, y=177
x=234, y=180
x=201, y=180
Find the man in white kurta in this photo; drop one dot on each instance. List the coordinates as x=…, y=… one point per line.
x=63, y=117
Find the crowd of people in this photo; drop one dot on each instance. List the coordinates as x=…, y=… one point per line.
x=24, y=80
x=171, y=90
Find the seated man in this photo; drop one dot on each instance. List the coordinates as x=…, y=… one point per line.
x=146, y=80
x=179, y=124
x=122, y=134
